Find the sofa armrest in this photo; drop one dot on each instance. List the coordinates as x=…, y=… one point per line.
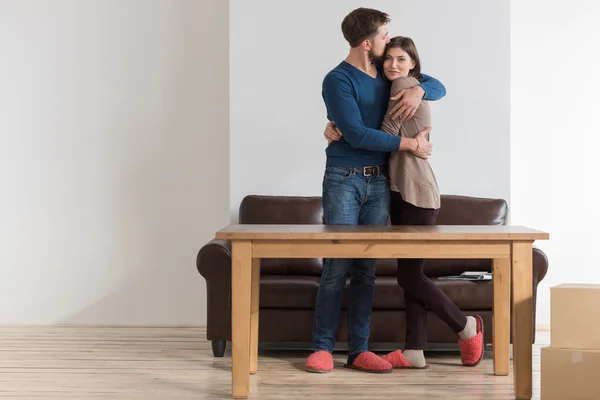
x=214, y=260
x=214, y=264
x=540, y=265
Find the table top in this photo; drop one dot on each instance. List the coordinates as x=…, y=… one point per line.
x=362, y=232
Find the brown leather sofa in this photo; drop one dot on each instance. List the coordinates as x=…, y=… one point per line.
x=288, y=287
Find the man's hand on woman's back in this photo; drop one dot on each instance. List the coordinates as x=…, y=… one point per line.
x=332, y=133
x=424, y=148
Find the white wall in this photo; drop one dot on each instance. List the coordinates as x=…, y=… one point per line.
x=114, y=119
x=114, y=158
x=280, y=52
x=554, y=135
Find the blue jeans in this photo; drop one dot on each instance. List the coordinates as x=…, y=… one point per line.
x=349, y=198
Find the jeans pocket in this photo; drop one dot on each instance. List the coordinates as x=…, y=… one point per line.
x=337, y=174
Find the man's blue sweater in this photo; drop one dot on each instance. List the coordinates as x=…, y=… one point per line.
x=357, y=103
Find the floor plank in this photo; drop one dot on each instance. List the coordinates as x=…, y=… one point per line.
x=94, y=362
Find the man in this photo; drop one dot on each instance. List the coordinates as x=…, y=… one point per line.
x=356, y=183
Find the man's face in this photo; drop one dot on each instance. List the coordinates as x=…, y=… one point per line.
x=379, y=42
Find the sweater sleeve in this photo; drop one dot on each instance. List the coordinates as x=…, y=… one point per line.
x=342, y=109
x=434, y=90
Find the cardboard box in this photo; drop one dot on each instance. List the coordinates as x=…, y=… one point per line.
x=568, y=374
x=575, y=317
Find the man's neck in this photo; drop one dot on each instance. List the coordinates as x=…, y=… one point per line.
x=359, y=58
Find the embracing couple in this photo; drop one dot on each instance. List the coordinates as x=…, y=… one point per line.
x=377, y=166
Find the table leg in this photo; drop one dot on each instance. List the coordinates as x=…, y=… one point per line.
x=254, y=307
x=241, y=287
x=501, y=316
x=522, y=312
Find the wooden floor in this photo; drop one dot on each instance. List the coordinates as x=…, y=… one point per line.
x=177, y=363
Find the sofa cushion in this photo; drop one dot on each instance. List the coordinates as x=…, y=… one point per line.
x=435, y=267
x=300, y=292
x=311, y=267
x=293, y=210
x=467, y=295
x=386, y=267
x=464, y=210
x=284, y=292
x=286, y=210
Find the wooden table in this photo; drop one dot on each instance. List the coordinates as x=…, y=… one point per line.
x=508, y=246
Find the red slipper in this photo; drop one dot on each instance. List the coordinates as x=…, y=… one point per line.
x=471, y=350
x=398, y=361
x=370, y=362
x=319, y=361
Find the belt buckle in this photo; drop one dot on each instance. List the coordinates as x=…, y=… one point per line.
x=370, y=169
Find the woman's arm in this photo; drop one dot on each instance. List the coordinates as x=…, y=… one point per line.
x=405, y=101
x=399, y=87
x=418, y=127
x=428, y=89
x=404, y=83
x=422, y=116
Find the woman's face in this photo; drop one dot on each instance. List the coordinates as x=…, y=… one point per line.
x=397, y=63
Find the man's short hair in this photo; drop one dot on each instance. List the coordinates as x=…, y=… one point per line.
x=362, y=24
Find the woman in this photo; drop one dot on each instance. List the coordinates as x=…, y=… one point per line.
x=415, y=200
